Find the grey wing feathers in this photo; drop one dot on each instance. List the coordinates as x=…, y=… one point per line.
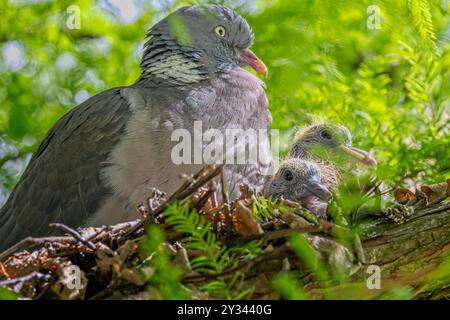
x=62, y=182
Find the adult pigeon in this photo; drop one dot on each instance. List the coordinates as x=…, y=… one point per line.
x=105, y=154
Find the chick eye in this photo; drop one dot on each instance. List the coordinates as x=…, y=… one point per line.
x=288, y=176
x=326, y=135
x=220, y=31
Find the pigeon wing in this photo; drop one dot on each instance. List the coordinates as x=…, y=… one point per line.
x=62, y=182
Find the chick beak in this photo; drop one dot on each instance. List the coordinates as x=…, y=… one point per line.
x=319, y=190
x=362, y=156
x=248, y=58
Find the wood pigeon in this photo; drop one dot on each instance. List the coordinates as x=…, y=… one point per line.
x=330, y=147
x=296, y=179
x=300, y=181
x=102, y=157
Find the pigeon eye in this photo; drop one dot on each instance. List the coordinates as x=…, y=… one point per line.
x=288, y=176
x=326, y=135
x=220, y=31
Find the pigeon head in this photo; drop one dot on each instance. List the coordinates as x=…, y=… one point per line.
x=330, y=142
x=196, y=41
x=297, y=180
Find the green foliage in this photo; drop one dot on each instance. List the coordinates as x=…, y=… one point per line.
x=288, y=287
x=399, y=293
x=439, y=278
x=288, y=284
x=5, y=294
x=306, y=254
x=422, y=20
x=166, y=277
x=199, y=237
x=266, y=209
x=230, y=288
x=216, y=258
x=363, y=78
x=388, y=85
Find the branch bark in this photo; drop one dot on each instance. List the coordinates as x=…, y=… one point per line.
x=415, y=253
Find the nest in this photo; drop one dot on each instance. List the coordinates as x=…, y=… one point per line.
x=108, y=262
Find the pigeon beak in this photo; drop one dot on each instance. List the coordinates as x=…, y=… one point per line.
x=248, y=58
x=319, y=190
x=362, y=156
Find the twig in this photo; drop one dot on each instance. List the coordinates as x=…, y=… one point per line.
x=187, y=188
x=267, y=236
x=216, y=210
x=358, y=248
x=226, y=203
x=45, y=288
x=31, y=242
x=212, y=186
x=324, y=226
x=202, y=180
x=28, y=277
x=103, y=293
x=330, y=228
x=202, y=172
x=291, y=204
x=95, y=235
x=74, y=234
x=202, y=201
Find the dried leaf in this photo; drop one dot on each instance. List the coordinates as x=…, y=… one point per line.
x=109, y=260
x=71, y=284
x=246, y=192
x=244, y=222
x=133, y=276
x=23, y=263
x=418, y=201
x=437, y=192
x=403, y=195
x=105, y=258
x=182, y=260
x=3, y=271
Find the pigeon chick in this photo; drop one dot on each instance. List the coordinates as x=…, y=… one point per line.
x=300, y=181
x=330, y=147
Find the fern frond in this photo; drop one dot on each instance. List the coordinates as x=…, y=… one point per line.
x=266, y=209
x=423, y=22
x=216, y=258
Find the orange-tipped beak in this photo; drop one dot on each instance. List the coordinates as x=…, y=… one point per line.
x=362, y=156
x=247, y=57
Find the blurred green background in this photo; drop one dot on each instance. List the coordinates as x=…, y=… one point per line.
x=387, y=79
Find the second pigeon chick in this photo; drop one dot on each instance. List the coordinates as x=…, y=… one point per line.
x=300, y=181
